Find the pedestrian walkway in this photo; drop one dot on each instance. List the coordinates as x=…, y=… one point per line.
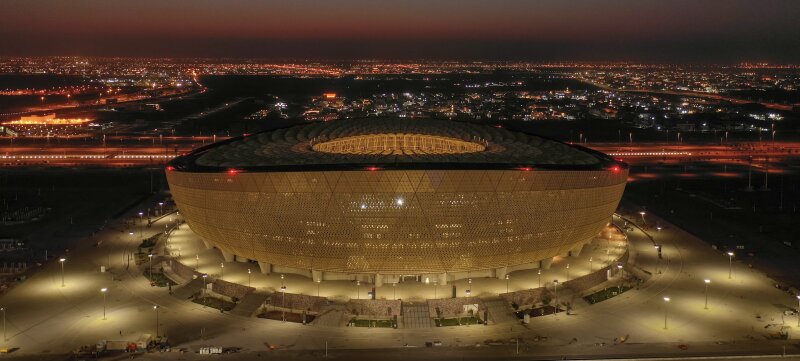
x=499, y=311
x=416, y=315
x=331, y=316
x=250, y=304
x=186, y=291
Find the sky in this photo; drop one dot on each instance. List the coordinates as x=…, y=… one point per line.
x=536, y=30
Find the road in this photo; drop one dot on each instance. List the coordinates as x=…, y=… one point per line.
x=776, y=106
x=118, y=151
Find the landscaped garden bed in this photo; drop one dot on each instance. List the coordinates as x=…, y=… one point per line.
x=285, y=316
x=538, y=311
x=371, y=323
x=214, y=302
x=458, y=321
x=606, y=294
x=158, y=279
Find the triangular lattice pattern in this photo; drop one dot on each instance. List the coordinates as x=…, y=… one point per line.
x=398, y=221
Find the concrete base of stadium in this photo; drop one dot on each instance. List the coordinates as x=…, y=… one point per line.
x=380, y=279
x=602, y=251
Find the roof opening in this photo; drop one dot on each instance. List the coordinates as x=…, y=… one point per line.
x=398, y=143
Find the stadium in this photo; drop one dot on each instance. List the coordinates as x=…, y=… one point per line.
x=383, y=199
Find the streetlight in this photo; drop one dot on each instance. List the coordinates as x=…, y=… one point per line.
x=730, y=264
x=540, y=278
x=666, y=302
x=4, y=323
x=62, y=260
x=196, y=261
x=319, y=282
x=283, y=303
x=643, y=221
x=621, y=276
x=591, y=265
x=394, y=290
x=156, y=307
x=128, y=253
x=658, y=256
x=798, y=314
x=555, y=290
x=507, y=283
x=150, y=273
x=358, y=290
x=160, y=208
x=141, y=224
x=103, y=291
x=205, y=276
x=249, y=277
x=707, y=281
x=221, y=270
x=567, y=271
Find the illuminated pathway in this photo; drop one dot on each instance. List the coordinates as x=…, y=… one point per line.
x=44, y=317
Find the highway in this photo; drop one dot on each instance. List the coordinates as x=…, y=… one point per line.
x=776, y=106
x=122, y=151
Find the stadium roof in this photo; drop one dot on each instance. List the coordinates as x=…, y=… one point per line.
x=390, y=143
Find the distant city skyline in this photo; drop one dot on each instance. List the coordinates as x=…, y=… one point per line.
x=592, y=30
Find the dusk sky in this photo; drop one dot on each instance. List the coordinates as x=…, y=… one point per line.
x=648, y=30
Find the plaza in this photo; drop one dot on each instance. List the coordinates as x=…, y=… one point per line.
x=744, y=311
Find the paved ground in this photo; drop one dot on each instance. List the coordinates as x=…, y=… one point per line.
x=249, y=304
x=416, y=315
x=331, y=316
x=499, y=311
x=45, y=319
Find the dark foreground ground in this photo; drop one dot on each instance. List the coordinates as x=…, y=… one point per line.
x=762, y=350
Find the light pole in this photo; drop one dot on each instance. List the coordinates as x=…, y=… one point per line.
x=358, y=290
x=196, y=261
x=507, y=280
x=150, y=272
x=621, y=276
x=540, y=278
x=394, y=290
x=160, y=208
x=283, y=303
x=221, y=270
x=555, y=290
x=103, y=291
x=707, y=281
x=730, y=265
x=205, y=276
x=319, y=282
x=4, y=323
x=249, y=278
x=644, y=223
x=658, y=256
x=141, y=225
x=666, y=302
x=591, y=265
x=62, y=260
x=156, y=307
x=567, y=271
x=128, y=253
x=798, y=314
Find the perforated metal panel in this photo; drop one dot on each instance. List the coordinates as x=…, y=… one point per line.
x=398, y=221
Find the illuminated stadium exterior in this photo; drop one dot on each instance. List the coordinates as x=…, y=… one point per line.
x=382, y=198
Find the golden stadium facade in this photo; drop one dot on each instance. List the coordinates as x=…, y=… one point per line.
x=385, y=198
